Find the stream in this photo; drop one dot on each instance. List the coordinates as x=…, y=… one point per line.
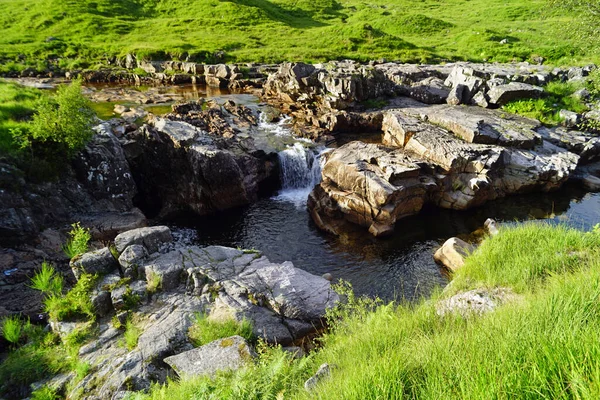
x=396, y=267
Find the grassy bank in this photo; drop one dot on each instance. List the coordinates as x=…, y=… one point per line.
x=75, y=34
x=543, y=344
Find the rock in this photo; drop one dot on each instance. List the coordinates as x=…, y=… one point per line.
x=569, y=119
x=452, y=254
x=457, y=95
x=502, y=94
x=120, y=109
x=167, y=269
x=102, y=302
x=369, y=184
x=132, y=260
x=490, y=226
x=322, y=373
x=95, y=262
x=481, y=99
x=468, y=78
x=430, y=91
x=151, y=238
x=475, y=302
x=228, y=354
x=582, y=94
x=591, y=182
x=327, y=276
x=586, y=145
x=295, y=351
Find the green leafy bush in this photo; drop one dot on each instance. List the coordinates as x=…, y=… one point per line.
x=78, y=241
x=64, y=121
x=204, y=331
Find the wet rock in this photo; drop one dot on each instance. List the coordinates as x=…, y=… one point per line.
x=591, y=182
x=151, y=238
x=228, y=354
x=95, y=262
x=452, y=254
x=502, y=94
x=322, y=373
x=491, y=227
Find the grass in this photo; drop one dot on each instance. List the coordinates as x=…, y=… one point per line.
x=544, y=345
x=204, y=330
x=75, y=304
x=12, y=329
x=17, y=105
x=79, y=34
x=546, y=110
x=78, y=243
x=131, y=335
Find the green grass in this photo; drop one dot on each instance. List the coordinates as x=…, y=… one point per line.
x=78, y=242
x=12, y=329
x=558, y=97
x=543, y=345
x=204, y=330
x=78, y=34
x=131, y=335
x=17, y=104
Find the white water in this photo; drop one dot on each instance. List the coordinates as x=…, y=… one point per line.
x=300, y=172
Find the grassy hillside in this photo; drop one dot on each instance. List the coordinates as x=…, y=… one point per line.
x=542, y=344
x=81, y=31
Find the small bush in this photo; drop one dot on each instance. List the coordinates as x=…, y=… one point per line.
x=64, y=121
x=204, y=331
x=78, y=242
x=12, y=329
x=45, y=393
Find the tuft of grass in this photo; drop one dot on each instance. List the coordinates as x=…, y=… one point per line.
x=76, y=303
x=204, y=330
x=45, y=393
x=78, y=242
x=12, y=329
x=559, y=97
x=47, y=281
x=131, y=335
x=154, y=283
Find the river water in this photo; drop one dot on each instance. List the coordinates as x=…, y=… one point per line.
x=397, y=267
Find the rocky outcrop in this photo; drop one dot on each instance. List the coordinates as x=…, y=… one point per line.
x=195, y=160
x=283, y=304
x=475, y=302
x=455, y=157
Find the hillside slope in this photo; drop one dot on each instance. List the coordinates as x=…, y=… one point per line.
x=81, y=31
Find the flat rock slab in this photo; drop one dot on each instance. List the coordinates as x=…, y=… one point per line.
x=479, y=125
x=95, y=262
x=150, y=237
x=221, y=355
x=503, y=94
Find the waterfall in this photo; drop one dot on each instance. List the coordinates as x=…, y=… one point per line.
x=300, y=172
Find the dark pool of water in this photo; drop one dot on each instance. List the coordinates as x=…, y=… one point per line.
x=400, y=266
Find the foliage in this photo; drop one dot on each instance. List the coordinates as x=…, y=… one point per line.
x=593, y=83
x=559, y=97
x=17, y=104
x=75, y=303
x=45, y=393
x=586, y=13
x=154, y=282
x=131, y=335
x=64, y=121
x=12, y=329
x=204, y=330
x=78, y=242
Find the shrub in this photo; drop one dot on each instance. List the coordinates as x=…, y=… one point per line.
x=12, y=329
x=78, y=242
x=204, y=331
x=44, y=393
x=65, y=121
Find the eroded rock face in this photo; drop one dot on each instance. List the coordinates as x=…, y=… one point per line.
x=178, y=166
x=455, y=157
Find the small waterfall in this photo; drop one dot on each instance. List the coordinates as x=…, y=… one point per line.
x=300, y=172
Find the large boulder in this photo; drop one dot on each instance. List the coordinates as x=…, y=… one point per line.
x=150, y=237
x=227, y=354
